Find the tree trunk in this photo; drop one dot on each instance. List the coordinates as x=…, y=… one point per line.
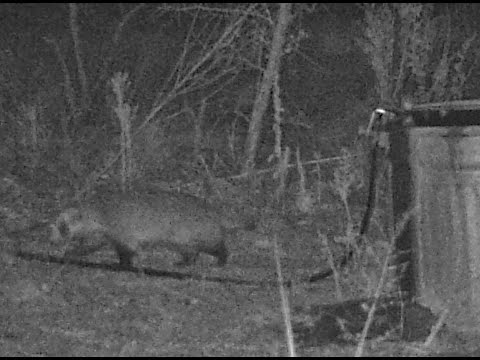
x=263, y=96
x=75, y=29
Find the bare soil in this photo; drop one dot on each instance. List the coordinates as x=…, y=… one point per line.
x=50, y=309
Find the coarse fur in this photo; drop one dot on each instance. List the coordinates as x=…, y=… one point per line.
x=128, y=222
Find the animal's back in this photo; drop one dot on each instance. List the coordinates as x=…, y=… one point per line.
x=178, y=222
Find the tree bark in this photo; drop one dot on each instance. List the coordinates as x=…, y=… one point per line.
x=75, y=29
x=263, y=95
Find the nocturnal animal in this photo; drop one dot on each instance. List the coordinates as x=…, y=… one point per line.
x=127, y=222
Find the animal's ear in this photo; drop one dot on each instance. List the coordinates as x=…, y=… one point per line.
x=55, y=234
x=63, y=229
x=63, y=224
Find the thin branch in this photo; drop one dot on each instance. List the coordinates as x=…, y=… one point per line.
x=181, y=59
x=75, y=30
x=208, y=9
x=121, y=24
x=190, y=75
x=269, y=17
x=316, y=66
x=401, y=72
x=401, y=226
x=210, y=33
x=69, y=91
x=211, y=81
x=104, y=67
x=220, y=43
x=311, y=162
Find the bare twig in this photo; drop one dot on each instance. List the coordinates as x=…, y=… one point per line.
x=69, y=92
x=121, y=24
x=284, y=299
x=436, y=328
x=75, y=29
x=311, y=162
x=191, y=78
x=336, y=275
x=398, y=231
x=212, y=9
x=181, y=60
x=96, y=174
x=116, y=39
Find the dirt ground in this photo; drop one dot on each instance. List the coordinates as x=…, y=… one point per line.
x=53, y=309
x=65, y=310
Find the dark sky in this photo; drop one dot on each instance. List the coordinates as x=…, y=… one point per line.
x=41, y=18
x=333, y=27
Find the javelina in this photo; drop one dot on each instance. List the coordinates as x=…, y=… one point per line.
x=178, y=222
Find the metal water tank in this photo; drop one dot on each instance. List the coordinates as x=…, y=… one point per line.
x=435, y=155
